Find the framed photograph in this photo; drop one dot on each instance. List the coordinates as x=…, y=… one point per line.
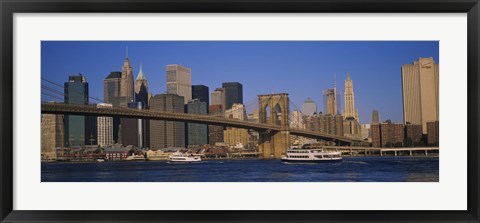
x=236, y=111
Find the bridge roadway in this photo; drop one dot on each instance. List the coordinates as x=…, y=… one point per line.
x=70, y=109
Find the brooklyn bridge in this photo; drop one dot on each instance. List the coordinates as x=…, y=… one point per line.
x=273, y=123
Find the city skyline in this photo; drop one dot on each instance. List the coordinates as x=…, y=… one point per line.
x=253, y=64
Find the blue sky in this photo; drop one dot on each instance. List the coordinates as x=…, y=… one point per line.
x=301, y=68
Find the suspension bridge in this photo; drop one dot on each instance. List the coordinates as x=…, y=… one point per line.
x=273, y=123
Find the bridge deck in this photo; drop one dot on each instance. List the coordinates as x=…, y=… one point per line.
x=70, y=109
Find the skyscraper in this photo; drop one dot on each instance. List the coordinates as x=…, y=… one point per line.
x=127, y=82
x=233, y=94
x=179, y=81
x=197, y=134
x=141, y=88
x=331, y=101
x=309, y=107
x=350, y=110
x=165, y=134
x=218, y=97
x=112, y=86
x=76, y=132
x=105, y=128
x=351, y=126
x=375, y=117
x=420, y=92
x=200, y=92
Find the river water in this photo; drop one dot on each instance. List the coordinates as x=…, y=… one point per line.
x=351, y=169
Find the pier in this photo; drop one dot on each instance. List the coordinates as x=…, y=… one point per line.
x=381, y=151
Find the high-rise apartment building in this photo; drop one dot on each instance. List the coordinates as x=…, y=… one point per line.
x=391, y=134
x=105, y=128
x=420, y=84
x=167, y=134
x=414, y=133
x=179, y=81
x=433, y=133
x=233, y=93
x=197, y=134
x=376, y=135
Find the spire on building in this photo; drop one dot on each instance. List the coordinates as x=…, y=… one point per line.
x=141, y=75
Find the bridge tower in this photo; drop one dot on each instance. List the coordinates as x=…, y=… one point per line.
x=274, y=109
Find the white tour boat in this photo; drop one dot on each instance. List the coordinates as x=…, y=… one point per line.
x=311, y=156
x=184, y=157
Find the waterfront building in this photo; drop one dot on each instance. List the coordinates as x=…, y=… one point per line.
x=233, y=94
x=376, y=135
x=391, y=134
x=165, y=134
x=79, y=130
x=375, y=117
x=126, y=85
x=233, y=136
x=433, y=133
x=420, y=83
x=105, y=128
x=197, y=134
x=141, y=88
x=200, y=92
x=179, y=81
x=52, y=136
x=118, y=153
x=215, y=132
x=309, y=107
x=414, y=133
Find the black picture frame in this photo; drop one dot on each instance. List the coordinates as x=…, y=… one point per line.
x=9, y=7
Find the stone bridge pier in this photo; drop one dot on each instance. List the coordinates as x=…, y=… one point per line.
x=273, y=109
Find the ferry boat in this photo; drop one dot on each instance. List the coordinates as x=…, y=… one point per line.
x=311, y=156
x=184, y=158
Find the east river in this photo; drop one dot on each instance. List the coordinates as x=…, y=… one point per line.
x=351, y=169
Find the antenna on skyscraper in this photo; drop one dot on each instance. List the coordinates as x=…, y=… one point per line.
x=335, y=92
x=126, y=53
